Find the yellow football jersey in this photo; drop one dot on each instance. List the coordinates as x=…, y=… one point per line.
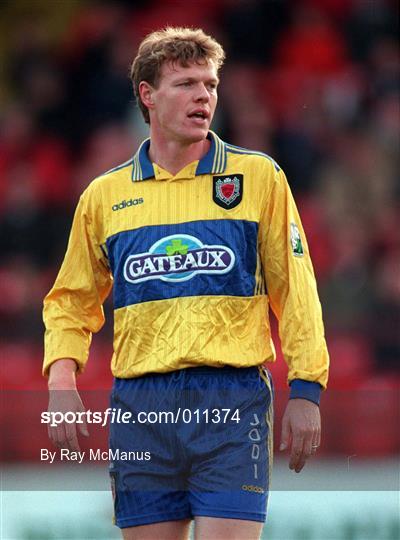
x=194, y=261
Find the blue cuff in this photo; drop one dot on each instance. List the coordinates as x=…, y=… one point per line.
x=305, y=390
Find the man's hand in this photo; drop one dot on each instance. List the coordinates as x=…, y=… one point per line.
x=301, y=431
x=64, y=398
x=64, y=434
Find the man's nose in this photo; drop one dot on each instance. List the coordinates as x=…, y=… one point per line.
x=202, y=93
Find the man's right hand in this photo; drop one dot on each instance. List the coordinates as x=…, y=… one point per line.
x=64, y=398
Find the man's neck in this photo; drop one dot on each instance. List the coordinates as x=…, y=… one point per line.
x=173, y=155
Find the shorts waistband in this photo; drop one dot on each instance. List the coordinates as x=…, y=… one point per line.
x=221, y=369
x=197, y=370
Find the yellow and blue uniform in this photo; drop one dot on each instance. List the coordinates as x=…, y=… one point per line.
x=194, y=268
x=195, y=261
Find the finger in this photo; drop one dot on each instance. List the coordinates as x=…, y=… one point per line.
x=64, y=437
x=71, y=438
x=285, y=434
x=53, y=436
x=51, y=432
x=61, y=437
x=301, y=462
x=314, y=449
x=58, y=436
x=315, y=443
x=83, y=427
x=318, y=436
x=308, y=449
x=296, y=451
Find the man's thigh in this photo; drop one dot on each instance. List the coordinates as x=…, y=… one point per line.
x=207, y=528
x=168, y=530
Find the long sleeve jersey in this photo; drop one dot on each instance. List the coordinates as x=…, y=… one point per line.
x=194, y=260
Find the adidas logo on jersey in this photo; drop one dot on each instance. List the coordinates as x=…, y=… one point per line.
x=125, y=204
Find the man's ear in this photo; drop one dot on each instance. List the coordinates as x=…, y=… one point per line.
x=146, y=94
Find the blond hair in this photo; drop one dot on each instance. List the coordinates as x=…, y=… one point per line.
x=172, y=44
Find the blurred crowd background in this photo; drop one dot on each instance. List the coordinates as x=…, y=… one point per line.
x=313, y=83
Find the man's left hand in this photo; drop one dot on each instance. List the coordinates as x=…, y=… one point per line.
x=301, y=431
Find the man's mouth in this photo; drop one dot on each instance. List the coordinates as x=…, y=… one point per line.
x=199, y=114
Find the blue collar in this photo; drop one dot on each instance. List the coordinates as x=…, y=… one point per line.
x=214, y=162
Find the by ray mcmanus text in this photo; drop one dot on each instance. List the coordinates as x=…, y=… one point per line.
x=66, y=455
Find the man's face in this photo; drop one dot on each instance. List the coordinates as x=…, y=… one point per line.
x=184, y=102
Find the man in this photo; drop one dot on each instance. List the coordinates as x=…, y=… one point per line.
x=197, y=237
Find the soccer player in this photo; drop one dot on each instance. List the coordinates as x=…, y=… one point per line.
x=197, y=237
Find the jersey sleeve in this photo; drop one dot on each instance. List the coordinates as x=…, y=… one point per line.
x=291, y=288
x=73, y=309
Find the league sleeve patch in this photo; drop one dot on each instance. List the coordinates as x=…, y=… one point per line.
x=295, y=240
x=228, y=190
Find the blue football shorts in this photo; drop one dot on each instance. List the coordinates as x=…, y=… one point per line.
x=198, y=442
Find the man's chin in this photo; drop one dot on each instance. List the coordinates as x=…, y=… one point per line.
x=196, y=135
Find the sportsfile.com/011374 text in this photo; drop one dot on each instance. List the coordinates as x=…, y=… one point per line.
x=117, y=416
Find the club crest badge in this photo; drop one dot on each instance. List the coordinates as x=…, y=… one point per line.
x=228, y=190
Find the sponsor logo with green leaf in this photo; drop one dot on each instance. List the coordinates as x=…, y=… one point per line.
x=295, y=240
